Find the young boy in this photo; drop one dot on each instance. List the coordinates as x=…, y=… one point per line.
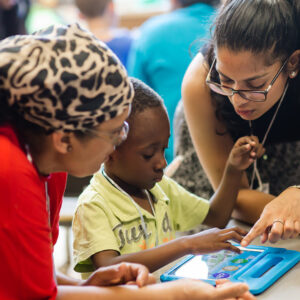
x=131, y=206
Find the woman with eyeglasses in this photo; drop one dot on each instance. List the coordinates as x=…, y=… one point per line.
x=248, y=83
x=64, y=99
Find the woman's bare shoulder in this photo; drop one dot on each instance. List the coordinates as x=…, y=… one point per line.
x=194, y=88
x=196, y=94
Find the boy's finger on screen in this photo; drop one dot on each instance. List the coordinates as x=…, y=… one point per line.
x=230, y=247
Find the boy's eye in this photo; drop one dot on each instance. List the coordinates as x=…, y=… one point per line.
x=147, y=156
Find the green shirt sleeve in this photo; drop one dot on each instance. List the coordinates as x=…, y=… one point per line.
x=92, y=231
x=188, y=210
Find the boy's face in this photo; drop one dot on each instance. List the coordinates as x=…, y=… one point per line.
x=140, y=160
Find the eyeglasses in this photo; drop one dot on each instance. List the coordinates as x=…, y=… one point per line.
x=251, y=95
x=115, y=138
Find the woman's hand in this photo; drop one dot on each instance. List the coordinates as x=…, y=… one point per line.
x=245, y=150
x=223, y=283
x=198, y=290
x=280, y=219
x=123, y=273
x=215, y=239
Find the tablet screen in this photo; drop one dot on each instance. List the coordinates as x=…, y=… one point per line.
x=222, y=264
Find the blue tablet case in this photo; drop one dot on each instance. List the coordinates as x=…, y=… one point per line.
x=258, y=266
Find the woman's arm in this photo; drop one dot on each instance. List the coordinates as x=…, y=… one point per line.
x=245, y=150
x=66, y=280
x=176, y=290
x=134, y=275
x=212, y=149
x=224, y=199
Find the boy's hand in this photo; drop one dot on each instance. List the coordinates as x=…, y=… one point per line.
x=215, y=239
x=244, y=152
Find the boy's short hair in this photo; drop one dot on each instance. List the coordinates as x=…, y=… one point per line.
x=92, y=8
x=144, y=97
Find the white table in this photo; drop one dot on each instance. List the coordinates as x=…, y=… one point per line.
x=286, y=288
x=65, y=220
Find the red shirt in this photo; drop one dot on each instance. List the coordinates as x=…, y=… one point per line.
x=26, y=268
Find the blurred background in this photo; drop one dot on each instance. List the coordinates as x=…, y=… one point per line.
x=131, y=13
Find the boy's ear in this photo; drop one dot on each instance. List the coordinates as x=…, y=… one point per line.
x=61, y=142
x=113, y=156
x=110, y=159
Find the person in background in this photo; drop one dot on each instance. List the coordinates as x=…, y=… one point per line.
x=164, y=48
x=247, y=82
x=64, y=97
x=131, y=211
x=102, y=21
x=13, y=14
x=44, y=13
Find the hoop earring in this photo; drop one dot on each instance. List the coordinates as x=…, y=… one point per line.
x=69, y=148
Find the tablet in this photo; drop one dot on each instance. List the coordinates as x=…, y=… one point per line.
x=258, y=266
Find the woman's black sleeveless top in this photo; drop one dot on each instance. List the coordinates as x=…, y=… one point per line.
x=280, y=166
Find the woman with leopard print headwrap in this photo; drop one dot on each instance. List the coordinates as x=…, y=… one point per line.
x=64, y=99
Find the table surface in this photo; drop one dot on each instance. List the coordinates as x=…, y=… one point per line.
x=286, y=286
x=67, y=211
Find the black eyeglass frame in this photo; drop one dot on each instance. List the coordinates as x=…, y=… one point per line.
x=116, y=139
x=233, y=91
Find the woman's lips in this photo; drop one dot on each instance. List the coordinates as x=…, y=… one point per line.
x=245, y=113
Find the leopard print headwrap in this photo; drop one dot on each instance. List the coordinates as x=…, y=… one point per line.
x=63, y=78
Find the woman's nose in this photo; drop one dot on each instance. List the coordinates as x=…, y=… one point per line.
x=237, y=100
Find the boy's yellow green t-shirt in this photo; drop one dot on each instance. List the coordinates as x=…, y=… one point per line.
x=106, y=219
